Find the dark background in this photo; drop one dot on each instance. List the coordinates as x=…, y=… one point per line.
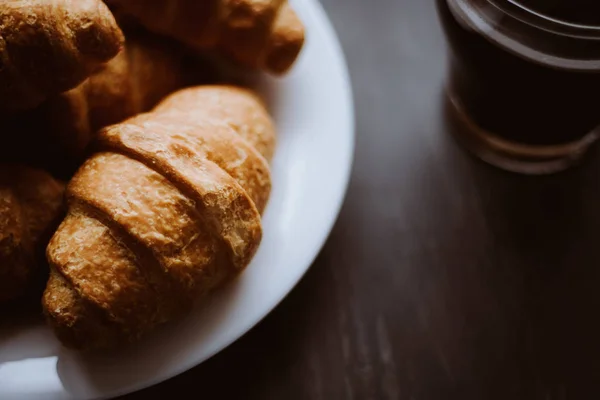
x=444, y=278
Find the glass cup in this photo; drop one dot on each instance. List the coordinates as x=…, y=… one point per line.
x=524, y=80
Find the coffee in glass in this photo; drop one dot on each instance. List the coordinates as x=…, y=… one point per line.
x=524, y=79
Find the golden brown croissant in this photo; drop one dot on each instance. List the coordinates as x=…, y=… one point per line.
x=50, y=46
x=30, y=207
x=166, y=210
x=263, y=34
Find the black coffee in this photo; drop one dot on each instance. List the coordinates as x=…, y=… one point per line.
x=520, y=99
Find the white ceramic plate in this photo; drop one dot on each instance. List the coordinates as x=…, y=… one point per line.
x=313, y=109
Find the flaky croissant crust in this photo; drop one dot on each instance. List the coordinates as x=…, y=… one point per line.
x=168, y=209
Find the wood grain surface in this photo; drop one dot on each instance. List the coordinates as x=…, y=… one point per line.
x=444, y=278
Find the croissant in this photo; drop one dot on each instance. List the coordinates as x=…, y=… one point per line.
x=148, y=69
x=30, y=207
x=133, y=82
x=261, y=34
x=166, y=210
x=49, y=46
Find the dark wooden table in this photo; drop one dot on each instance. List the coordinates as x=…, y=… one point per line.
x=444, y=278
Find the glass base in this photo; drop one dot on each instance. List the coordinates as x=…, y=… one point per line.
x=512, y=156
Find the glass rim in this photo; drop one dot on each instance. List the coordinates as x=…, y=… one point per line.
x=548, y=23
x=541, y=17
x=528, y=34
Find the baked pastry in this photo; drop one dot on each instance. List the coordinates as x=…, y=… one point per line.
x=148, y=69
x=50, y=46
x=30, y=208
x=165, y=211
x=239, y=108
x=260, y=34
